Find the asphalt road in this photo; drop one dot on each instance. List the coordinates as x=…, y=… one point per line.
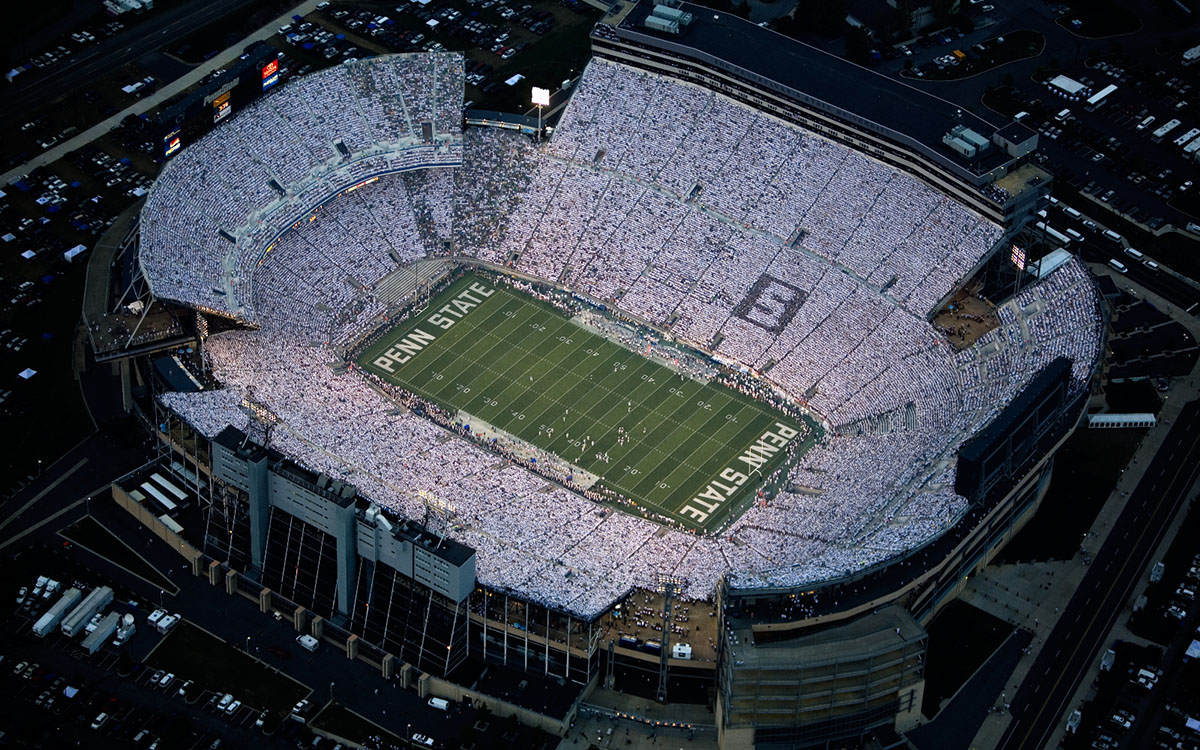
x=38, y=87
x=1097, y=249
x=1085, y=623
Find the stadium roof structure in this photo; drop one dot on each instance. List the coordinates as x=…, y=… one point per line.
x=813, y=74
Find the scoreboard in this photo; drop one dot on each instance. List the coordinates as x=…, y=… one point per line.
x=187, y=120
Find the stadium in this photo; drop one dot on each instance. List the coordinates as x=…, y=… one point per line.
x=685, y=351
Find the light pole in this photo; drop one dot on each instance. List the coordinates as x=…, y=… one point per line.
x=331, y=692
x=541, y=97
x=160, y=598
x=247, y=644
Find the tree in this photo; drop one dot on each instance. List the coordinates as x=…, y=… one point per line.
x=858, y=45
x=944, y=8
x=826, y=18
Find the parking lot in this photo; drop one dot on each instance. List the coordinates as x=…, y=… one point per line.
x=108, y=698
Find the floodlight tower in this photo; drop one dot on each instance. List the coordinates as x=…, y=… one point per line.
x=541, y=97
x=668, y=585
x=260, y=416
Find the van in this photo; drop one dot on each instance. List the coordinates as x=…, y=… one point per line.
x=440, y=704
x=1117, y=266
x=1110, y=234
x=1075, y=235
x=1062, y=116
x=1135, y=254
x=1145, y=123
x=285, y=28
x=308, y=642
x=1073, y=721
x=1020, y=116
x=1150, y=264
x=1071, y=212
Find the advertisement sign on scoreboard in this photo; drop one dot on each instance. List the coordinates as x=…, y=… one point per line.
x=270, y=74
x=171, y=144
x=221, y=107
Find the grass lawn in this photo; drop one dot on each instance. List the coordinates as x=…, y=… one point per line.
x=692, y=451
x=195, y=654
x=952, y=659
x=344, y=723
x=90, y=533
x=1086, y=469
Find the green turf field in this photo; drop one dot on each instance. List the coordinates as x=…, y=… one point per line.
x=694, y=451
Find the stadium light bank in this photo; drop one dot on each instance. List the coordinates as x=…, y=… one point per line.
x=541, y=98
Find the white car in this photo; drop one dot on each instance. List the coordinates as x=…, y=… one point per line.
x=166, y=679
x=21, y=595
x=233, y=707
x=225, y=701
x=99, y=722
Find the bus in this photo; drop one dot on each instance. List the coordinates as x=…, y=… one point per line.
x=1162, y=132
x=1095, y=100
x=1187, y=137
x=1062, y=239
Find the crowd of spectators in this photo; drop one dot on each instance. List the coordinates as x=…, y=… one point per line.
x=771, y=248
x=217, y=204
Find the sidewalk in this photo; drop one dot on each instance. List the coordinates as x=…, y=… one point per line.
x=1032, y=595
x=220, y=60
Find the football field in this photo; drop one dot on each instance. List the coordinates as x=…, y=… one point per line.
x=683, y=449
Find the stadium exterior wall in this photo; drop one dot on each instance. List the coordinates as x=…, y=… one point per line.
x=918, y=596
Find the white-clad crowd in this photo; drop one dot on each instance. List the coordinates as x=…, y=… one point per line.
x=766, y=244
x=214, y=208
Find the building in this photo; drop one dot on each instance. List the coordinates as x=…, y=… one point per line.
x=792, y=667
x=321, y=546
